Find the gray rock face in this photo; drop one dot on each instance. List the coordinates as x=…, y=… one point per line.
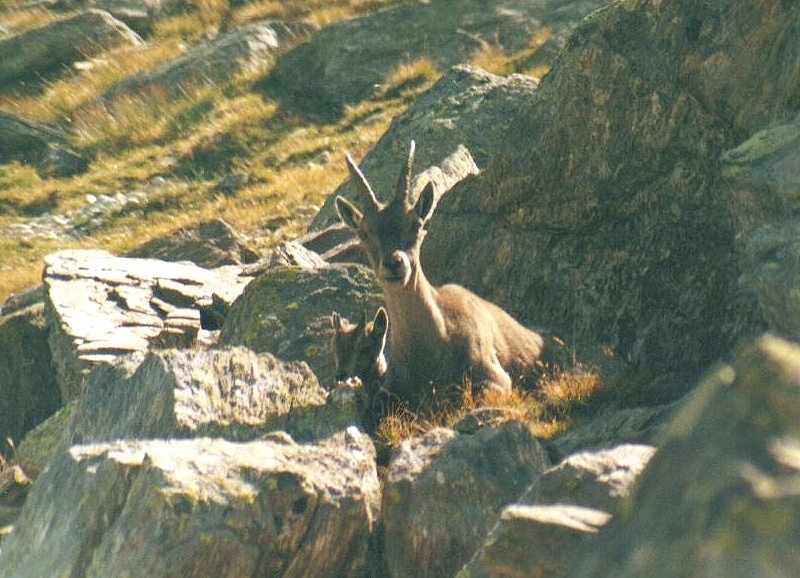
x=534, y=541
x=41, y=51
x=199, y=507
x=718, y=498
x=286, y=310
x=445, y=481
x=457, y=124
x=342, y=63
x=247, y=48
x=601, y=479
x=28, y=390
x=230, y=393
x=100, y=306
x=572, y=501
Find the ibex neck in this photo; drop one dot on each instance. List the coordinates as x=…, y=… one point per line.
x=413, y=309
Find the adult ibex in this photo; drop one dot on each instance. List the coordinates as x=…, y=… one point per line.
x=438, y=336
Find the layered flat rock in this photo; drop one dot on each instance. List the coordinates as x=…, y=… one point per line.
x=100, y=306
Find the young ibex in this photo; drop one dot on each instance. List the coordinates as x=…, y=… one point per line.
x=438, y=336
x=359, y=349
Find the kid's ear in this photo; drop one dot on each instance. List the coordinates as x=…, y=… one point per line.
x=380, y=325
x=348, y=213
x=424, y=206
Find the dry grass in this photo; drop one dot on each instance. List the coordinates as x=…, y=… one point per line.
x=561, y=397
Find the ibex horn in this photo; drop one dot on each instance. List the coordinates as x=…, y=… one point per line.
x=367, y=194
x=404, y=182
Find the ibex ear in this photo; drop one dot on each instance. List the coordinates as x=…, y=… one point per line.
x=380, y=325
x=348, y=213
x=424, y=206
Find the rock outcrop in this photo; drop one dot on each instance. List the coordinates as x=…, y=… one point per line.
x=140, y=15
x=199, y=507
x=100, y=306
x=605, y=213
x=45, y=148
x=445, y=481
x=718, y=497
x=45, y=50
x=230, y=393
x=764, y=176
x=210, y=245
x=541, y=534
x=224, y=461
x=28, y=390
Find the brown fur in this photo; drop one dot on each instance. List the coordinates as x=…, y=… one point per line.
x=358, y=349
x=438, y=336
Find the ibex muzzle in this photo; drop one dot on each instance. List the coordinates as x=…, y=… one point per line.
x=438, y=336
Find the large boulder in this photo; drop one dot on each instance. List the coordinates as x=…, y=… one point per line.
x=45, y=148
x=45, y=50
x=457, y=124
x=443, y=493
x=719, y=497
x=287, y=310
x=231, y=393
x=344, y=62
x=247, y=48
x=199, y=507
x=605, y=213
x=100, y=306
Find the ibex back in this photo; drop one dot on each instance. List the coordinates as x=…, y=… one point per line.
x=438, y=336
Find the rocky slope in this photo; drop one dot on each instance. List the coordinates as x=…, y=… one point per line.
x=640, y=198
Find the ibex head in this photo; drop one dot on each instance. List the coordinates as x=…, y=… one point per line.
x=391, y=233
x=359, y=349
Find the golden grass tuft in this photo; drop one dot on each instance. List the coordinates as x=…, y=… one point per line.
x=561, y=397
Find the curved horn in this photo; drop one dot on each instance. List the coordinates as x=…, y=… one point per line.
x=404, y=182
x=367, y=194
